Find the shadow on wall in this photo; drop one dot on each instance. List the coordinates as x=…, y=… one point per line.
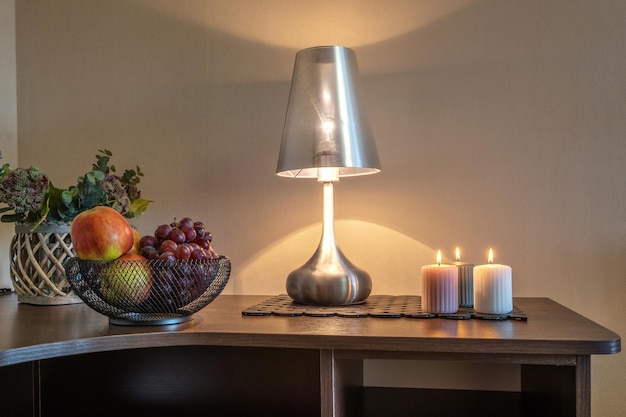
x=376, y=249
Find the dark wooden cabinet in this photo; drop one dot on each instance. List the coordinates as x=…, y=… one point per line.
x=183, y=381
x=69, y=361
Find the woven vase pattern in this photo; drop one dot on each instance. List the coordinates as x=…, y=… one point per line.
x=36, y=263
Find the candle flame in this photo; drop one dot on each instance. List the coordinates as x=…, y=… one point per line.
x=439, y=257
x=490, y=258
x=458, y=254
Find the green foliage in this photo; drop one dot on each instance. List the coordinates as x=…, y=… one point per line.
x=30, y=197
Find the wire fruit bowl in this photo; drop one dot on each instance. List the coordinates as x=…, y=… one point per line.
x=148, y=292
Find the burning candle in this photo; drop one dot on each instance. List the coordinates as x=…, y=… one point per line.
x=493, y=288
x=466, y=281
x=440, y=288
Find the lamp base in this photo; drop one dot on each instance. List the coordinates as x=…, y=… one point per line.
x=329, y=279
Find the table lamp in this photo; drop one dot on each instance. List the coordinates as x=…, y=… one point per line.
x=327, y=136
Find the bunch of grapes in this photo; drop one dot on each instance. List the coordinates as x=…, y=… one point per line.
x=176, y=284
x=183, y=239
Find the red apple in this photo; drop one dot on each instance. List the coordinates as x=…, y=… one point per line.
x=101, y=233
x=126, y=281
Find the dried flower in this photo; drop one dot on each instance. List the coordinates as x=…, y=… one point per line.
x=115, y=194
x=23, y=190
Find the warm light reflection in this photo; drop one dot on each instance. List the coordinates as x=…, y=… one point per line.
x=329, y=127
x=391, y=258
x=298, y=24
x=328, y=174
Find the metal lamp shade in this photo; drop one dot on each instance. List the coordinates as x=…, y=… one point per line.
x=326, y=125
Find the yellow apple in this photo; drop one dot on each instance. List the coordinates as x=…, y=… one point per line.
x=126, y=282
x=136, y=246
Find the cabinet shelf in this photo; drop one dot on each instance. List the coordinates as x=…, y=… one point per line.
x=409, y=402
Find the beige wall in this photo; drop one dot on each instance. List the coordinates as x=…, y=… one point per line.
x=499, y=124
x=8, y=118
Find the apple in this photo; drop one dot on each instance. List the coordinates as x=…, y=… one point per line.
x=101, y=233
x=136, y=242
x=126, y=281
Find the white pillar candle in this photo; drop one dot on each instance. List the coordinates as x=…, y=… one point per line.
x=440, y=288
x=466, y=281
x=493, y=288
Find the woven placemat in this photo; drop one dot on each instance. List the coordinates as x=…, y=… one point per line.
x=387, y=306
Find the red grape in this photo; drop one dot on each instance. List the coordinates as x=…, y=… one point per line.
x=185, y=222
x=203, y=243
x=197, y=254
x=169, y=246
x=183, y=251
x=199, y=228
x=177, y=236
x=148, y=240
x=162, y=231
x=167, y=256
x=150, y=252
x=190, y=233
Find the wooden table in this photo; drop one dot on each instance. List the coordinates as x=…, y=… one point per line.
x=68, y=360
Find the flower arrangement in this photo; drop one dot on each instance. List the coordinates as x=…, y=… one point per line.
x=29, y=196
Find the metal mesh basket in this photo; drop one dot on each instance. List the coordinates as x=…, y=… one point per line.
x=148, y=292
